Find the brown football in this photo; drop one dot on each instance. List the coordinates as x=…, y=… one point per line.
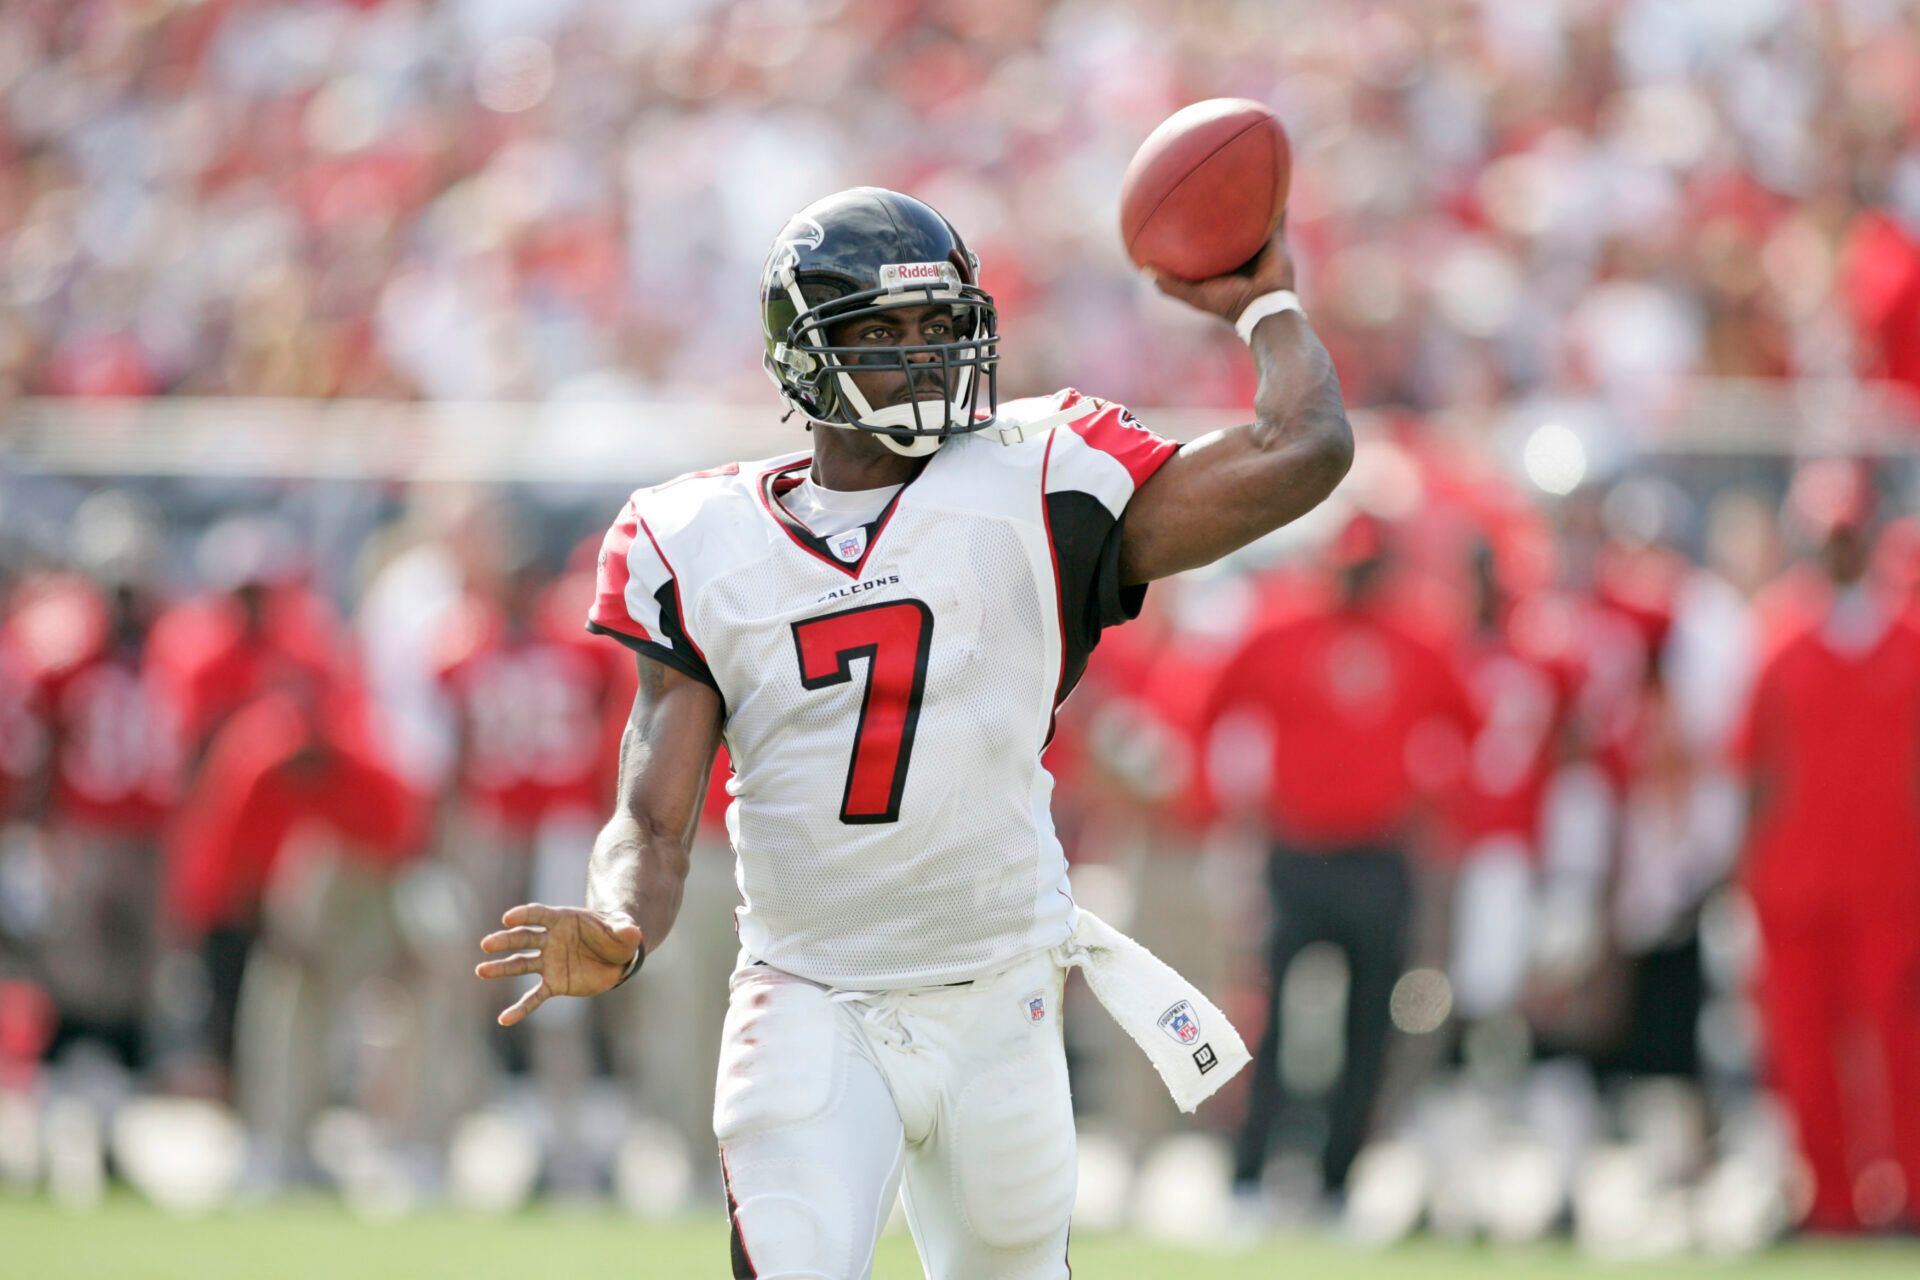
x=1206, y=189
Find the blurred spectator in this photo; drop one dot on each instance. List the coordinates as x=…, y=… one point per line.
x=530, y=690
x=1680, y=806
x=258, y=626
x=113, y=766
x=1676, y=814
x=1366, y=724
x=294, y=760
x=1831, y=744
x=1493, y=817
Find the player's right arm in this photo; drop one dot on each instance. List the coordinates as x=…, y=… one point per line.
x=1222, y=491
x=639, y=863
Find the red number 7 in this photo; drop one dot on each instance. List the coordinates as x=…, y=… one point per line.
x=894, y=638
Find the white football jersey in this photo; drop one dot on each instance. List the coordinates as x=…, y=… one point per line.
x=888, y=690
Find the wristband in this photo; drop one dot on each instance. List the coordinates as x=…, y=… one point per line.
x=1267, y=304
x=633, y=965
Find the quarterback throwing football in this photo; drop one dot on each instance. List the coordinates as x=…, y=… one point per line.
x=881, y=630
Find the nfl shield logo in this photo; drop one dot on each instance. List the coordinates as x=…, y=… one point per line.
x=1181, y=1023
x=1036, y=1007
x=850, y=544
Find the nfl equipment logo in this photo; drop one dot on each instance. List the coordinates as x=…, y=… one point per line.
x=849, y=545
x=1181, y=1023
x=1036, y=1005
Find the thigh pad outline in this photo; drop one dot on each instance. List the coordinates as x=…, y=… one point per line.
x=1014, y=1152
x=781, y=1061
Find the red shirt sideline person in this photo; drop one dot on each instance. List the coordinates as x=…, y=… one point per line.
x=881, y=631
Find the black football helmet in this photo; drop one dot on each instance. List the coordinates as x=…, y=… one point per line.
x=862, y=251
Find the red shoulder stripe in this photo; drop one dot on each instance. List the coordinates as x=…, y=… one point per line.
x=1119, y=435
x=610, y=592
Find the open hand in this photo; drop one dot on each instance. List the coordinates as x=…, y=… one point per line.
x=1228, y=295
x=575, y=951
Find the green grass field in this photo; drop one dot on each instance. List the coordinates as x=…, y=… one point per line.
x=307, y=1241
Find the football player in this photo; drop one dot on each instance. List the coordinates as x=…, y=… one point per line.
x=881, y=629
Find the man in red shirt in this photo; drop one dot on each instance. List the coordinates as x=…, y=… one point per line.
x=211, y=655
x=1367, y=722
x=1831, y=743
x=529, y=692
x=112, y=772
x=284, y=865
x=293, y=764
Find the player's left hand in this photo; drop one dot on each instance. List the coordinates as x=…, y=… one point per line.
x=1228, y=295
x=576, y=952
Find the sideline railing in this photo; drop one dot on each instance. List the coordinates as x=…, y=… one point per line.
x=629, y=442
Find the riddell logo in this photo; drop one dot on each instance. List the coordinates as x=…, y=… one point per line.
x=902, y=275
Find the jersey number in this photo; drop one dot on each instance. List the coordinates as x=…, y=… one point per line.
x=894, y=638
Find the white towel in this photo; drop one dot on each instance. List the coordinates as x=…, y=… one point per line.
x=1188, y=1040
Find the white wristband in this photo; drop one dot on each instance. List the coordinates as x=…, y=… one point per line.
x=1267, y=304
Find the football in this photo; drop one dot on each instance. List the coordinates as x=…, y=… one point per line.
x=1206, y=189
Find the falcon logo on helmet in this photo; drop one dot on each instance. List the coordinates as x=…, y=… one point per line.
x=802, y=233
x=856, y=254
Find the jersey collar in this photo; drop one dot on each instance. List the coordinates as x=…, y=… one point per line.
x=782, y=476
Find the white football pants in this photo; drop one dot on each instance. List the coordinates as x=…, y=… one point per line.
x=827, y=1099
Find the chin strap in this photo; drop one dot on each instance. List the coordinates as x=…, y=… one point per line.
x=912, y=446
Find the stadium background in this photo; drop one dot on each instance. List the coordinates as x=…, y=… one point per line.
x=373, y=311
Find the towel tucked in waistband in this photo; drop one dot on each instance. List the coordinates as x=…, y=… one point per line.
x=1188, y=1040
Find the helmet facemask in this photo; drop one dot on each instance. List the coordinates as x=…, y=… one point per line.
x=957, y=388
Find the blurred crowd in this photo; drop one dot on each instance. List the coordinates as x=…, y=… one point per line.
x=475, y=199
x=1561, y=854
x=1518, y=832
x=253, y=835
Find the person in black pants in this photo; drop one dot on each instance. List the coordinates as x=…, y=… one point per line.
x=1364, y=717
x=1359, y=899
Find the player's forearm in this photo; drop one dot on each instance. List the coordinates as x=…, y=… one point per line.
x=1227, y=488
x=1300, y=426
x=641, y=870
x=640, y=859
